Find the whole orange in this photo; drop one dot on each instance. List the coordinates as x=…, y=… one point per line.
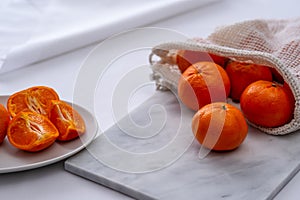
x=267, y=104
x=243, y=74
x=203, y=83
x=185, y=58
x=4, y=120
x=219, y=126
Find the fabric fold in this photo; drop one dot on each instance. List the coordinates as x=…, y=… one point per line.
x=50, y=28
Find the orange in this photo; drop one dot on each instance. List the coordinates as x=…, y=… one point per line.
x=35, y=99
x=277, y=76
x=268, y=104
x=289, y=92
x=4, y=120
x=68, y=121
x=219, y=126
x=31, y=131
x=185, y=58
x=243, y=74
x=203, y=83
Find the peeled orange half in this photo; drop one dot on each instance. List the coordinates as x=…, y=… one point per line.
x=4, y=120
x=35, y=99
x=67, y=120
x=31, y=131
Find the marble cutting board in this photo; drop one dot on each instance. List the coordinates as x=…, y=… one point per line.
x=258, y=169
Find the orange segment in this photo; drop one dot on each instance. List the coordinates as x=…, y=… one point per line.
x=35, y=99
x=67, y=120
x=31, y=131
x=16, y=103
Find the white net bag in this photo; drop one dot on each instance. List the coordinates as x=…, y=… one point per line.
x=274, y=43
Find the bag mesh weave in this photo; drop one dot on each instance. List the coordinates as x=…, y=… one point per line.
x=275, y=43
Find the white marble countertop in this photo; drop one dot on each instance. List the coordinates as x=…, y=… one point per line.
x=53, y=182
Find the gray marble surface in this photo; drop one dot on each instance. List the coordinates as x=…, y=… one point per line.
x=151, y=154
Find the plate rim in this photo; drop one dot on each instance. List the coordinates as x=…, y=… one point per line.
x=53, y=160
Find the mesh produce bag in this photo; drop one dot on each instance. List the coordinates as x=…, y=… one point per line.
x=274, y=43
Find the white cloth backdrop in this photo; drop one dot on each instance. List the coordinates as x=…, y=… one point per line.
x=34, y=30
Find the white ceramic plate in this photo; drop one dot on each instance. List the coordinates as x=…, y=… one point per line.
x=13, y=159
